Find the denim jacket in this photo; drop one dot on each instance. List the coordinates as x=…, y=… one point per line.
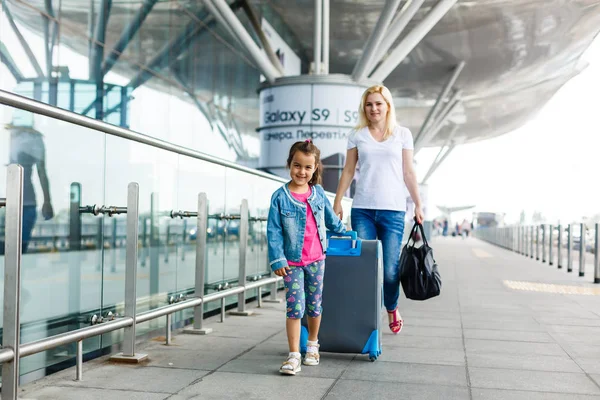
x=287, y=223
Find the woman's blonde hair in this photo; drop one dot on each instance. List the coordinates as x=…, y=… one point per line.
x=390, y=120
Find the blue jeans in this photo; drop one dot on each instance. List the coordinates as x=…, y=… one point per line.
x=387, y=226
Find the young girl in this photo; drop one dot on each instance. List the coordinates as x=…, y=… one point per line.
x=298, y=216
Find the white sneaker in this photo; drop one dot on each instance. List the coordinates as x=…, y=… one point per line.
x=291, y=365
x=312, y=355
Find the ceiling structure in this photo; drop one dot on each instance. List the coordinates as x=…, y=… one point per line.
x=511, y=55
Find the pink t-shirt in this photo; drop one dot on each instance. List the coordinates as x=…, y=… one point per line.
x=311, y=250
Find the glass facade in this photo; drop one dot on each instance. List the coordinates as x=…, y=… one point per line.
x=162, y=68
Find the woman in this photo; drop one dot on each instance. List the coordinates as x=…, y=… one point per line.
x=385, y=151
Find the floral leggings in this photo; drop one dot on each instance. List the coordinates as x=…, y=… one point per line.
x=304, y=287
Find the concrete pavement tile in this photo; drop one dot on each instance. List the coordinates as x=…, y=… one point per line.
x=235, y=386
x=533, y=362
x=406, y=373
x=348, y=389
x=403, y=340
x=517, y=336
x=424, y=331
x=71, y=393
x=424, y=356
x=139, y=378
x=560, y=382
x=504, y=325
x=502, y=394
x=524, y=348
x=430, y=322
x=329, y=367
x=589, y=365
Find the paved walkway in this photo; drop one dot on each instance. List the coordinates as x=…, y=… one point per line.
x=479, y=340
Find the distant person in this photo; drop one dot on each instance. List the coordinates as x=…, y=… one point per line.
x=298, y=216
x=445, y=228
x=465, y=228
x=27, y=149
x=383, y=150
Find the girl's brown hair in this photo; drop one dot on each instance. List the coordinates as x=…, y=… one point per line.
x=308, y=148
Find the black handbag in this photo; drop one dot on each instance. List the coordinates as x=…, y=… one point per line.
x=418, y=271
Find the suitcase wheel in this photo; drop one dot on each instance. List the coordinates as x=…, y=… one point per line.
x=373, y=357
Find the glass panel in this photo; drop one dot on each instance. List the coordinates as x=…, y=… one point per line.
x=61, y=249
x=196, y=176
x=155, y=171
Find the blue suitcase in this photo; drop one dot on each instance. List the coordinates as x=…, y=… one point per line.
x=352, y=301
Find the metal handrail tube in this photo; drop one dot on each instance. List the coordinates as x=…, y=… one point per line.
x=24, y=103
x=73, y=336
x=162, y=311
x=166, y=310
x=6, y=355
x=262, y=282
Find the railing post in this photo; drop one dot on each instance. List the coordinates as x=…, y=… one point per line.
x=531, y=242
x=201, y=237
x=524, y=236
x=582, y=248
x=537, y=242
x=550, y=244
x=154, y=250
x=241, y=310
x=559, y=247
x=79, y=361
x=131, y=256
x=74, y=305
x=12, y=279
x=596, y=256
x=543, y=243
x=569, y=248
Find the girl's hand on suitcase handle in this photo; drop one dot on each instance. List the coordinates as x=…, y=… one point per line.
x=282, y=271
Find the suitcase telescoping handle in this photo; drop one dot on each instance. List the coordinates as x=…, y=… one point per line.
x=343, y=246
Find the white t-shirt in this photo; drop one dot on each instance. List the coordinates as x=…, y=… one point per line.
x=380, y=183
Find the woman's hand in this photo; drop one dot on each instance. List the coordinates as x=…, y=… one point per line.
x=282, y=271
x=419, y=215
x=338, y=210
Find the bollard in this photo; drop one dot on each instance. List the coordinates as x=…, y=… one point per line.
x=537, y=242
x=559, y=249
x=569, y=248
x=582, y=246
x=550, y=244
x=543, y=243
x=596, y=256
x=531, y=242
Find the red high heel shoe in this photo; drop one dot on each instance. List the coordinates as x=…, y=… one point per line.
x=396, y=324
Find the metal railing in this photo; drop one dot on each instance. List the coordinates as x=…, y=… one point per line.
x=522, y=239
x=11, y=351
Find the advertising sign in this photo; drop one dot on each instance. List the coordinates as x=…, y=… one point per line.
x=325, y=113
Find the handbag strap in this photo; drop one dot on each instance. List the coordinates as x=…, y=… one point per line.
x=422, y=233
x=412, y=236
x=416, y=226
